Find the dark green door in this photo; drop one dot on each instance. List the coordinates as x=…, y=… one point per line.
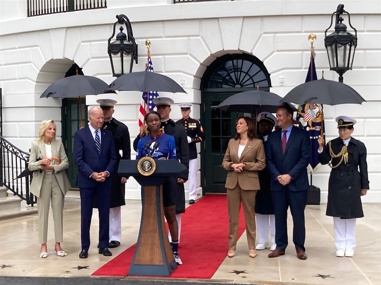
x=219, y=127
x=74, y=116
x=226, y=76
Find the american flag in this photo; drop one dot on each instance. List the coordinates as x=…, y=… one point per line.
x=307, y=117
x=315, y=129
x=147, y=104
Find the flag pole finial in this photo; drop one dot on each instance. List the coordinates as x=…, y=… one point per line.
x=148, y=44
x=311, y=39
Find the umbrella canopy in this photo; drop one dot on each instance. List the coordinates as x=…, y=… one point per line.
x=323, y=91
x=145, y=81
x=24, y=173
x=75, y=86
x=253, y=101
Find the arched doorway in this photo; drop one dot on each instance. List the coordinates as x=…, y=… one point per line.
x=227, y=75
x=73, y=110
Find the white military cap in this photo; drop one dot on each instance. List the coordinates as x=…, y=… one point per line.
x=185, y=106
x=163, y=101
x=345, y=122
x=266, y=116
x=106, y=102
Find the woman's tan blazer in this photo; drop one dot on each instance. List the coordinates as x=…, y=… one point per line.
x=253, y=156
x=38, y=152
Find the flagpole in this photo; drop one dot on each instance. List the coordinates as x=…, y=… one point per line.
x=311, y=39
x=148, y=46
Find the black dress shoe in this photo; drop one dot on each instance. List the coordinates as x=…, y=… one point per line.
x=191, y=201
x=113, y=244
x=105, y=251
x=83, y=254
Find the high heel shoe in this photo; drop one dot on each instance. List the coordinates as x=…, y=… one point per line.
x=231, y=253
x=61, y=253
x=43, y=254
x=252, y=253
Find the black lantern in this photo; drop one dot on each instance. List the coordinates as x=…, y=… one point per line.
x=123, y=50
x=340, y=45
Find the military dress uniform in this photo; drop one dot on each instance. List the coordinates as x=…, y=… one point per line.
x=348, y=177
x=195, y=134
x=264, y=210
x=117, y=195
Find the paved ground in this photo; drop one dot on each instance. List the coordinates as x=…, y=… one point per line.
x=20, y=263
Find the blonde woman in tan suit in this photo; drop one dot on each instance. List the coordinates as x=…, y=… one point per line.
x=48, y=162
x=244, y=157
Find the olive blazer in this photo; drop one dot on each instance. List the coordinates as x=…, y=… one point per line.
x=253, y=156
x=38, y=152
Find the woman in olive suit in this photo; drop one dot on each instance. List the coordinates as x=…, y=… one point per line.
x=48, y=162
x=244, y=157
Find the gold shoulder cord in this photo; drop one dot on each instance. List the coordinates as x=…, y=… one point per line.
x=343, y=154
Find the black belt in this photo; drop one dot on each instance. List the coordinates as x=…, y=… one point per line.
x=345, y=168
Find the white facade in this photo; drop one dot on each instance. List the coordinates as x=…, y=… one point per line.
x=185, y=39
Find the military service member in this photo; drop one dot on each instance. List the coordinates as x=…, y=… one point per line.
x=264, y=210
x=123, y=148
x=195, y=134
x=348, y=181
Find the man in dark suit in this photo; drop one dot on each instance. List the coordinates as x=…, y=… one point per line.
x=288, y=151
x=95, y=157
x=123, y=151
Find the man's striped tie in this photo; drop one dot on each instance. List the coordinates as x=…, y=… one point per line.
x=97, y=142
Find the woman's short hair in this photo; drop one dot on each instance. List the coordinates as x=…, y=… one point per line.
x=43, y=127
x=250, y=128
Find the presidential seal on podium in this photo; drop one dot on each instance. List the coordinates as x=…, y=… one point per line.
x=146, y=166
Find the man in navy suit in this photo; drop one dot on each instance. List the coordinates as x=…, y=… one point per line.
x=95, y=157
x=288, y=151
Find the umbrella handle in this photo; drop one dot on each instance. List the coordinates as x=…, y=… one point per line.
x=322, y=131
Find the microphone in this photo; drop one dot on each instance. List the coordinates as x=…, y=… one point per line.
x=154, y=146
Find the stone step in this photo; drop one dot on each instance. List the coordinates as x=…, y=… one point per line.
x=73, y=193
x=13, y=206
x=22, y=210
x=7, y=203
x=3, y=192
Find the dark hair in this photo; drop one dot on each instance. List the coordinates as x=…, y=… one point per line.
x=150, y=113
x=250, y=128
x=287, y=107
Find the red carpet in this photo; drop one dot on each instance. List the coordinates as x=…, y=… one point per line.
x=203, y=244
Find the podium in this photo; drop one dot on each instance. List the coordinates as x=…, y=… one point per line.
x=153, y=255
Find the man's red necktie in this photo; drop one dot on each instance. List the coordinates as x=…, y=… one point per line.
x=284, y=141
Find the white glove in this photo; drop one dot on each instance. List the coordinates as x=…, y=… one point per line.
x=189, y=139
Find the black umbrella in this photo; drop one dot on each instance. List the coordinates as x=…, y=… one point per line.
x=253, y=101
x=323, y=91
x=75, y=86
x=145, y=81
x=24, y=173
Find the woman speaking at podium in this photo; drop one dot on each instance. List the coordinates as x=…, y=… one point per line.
x=160, y=145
